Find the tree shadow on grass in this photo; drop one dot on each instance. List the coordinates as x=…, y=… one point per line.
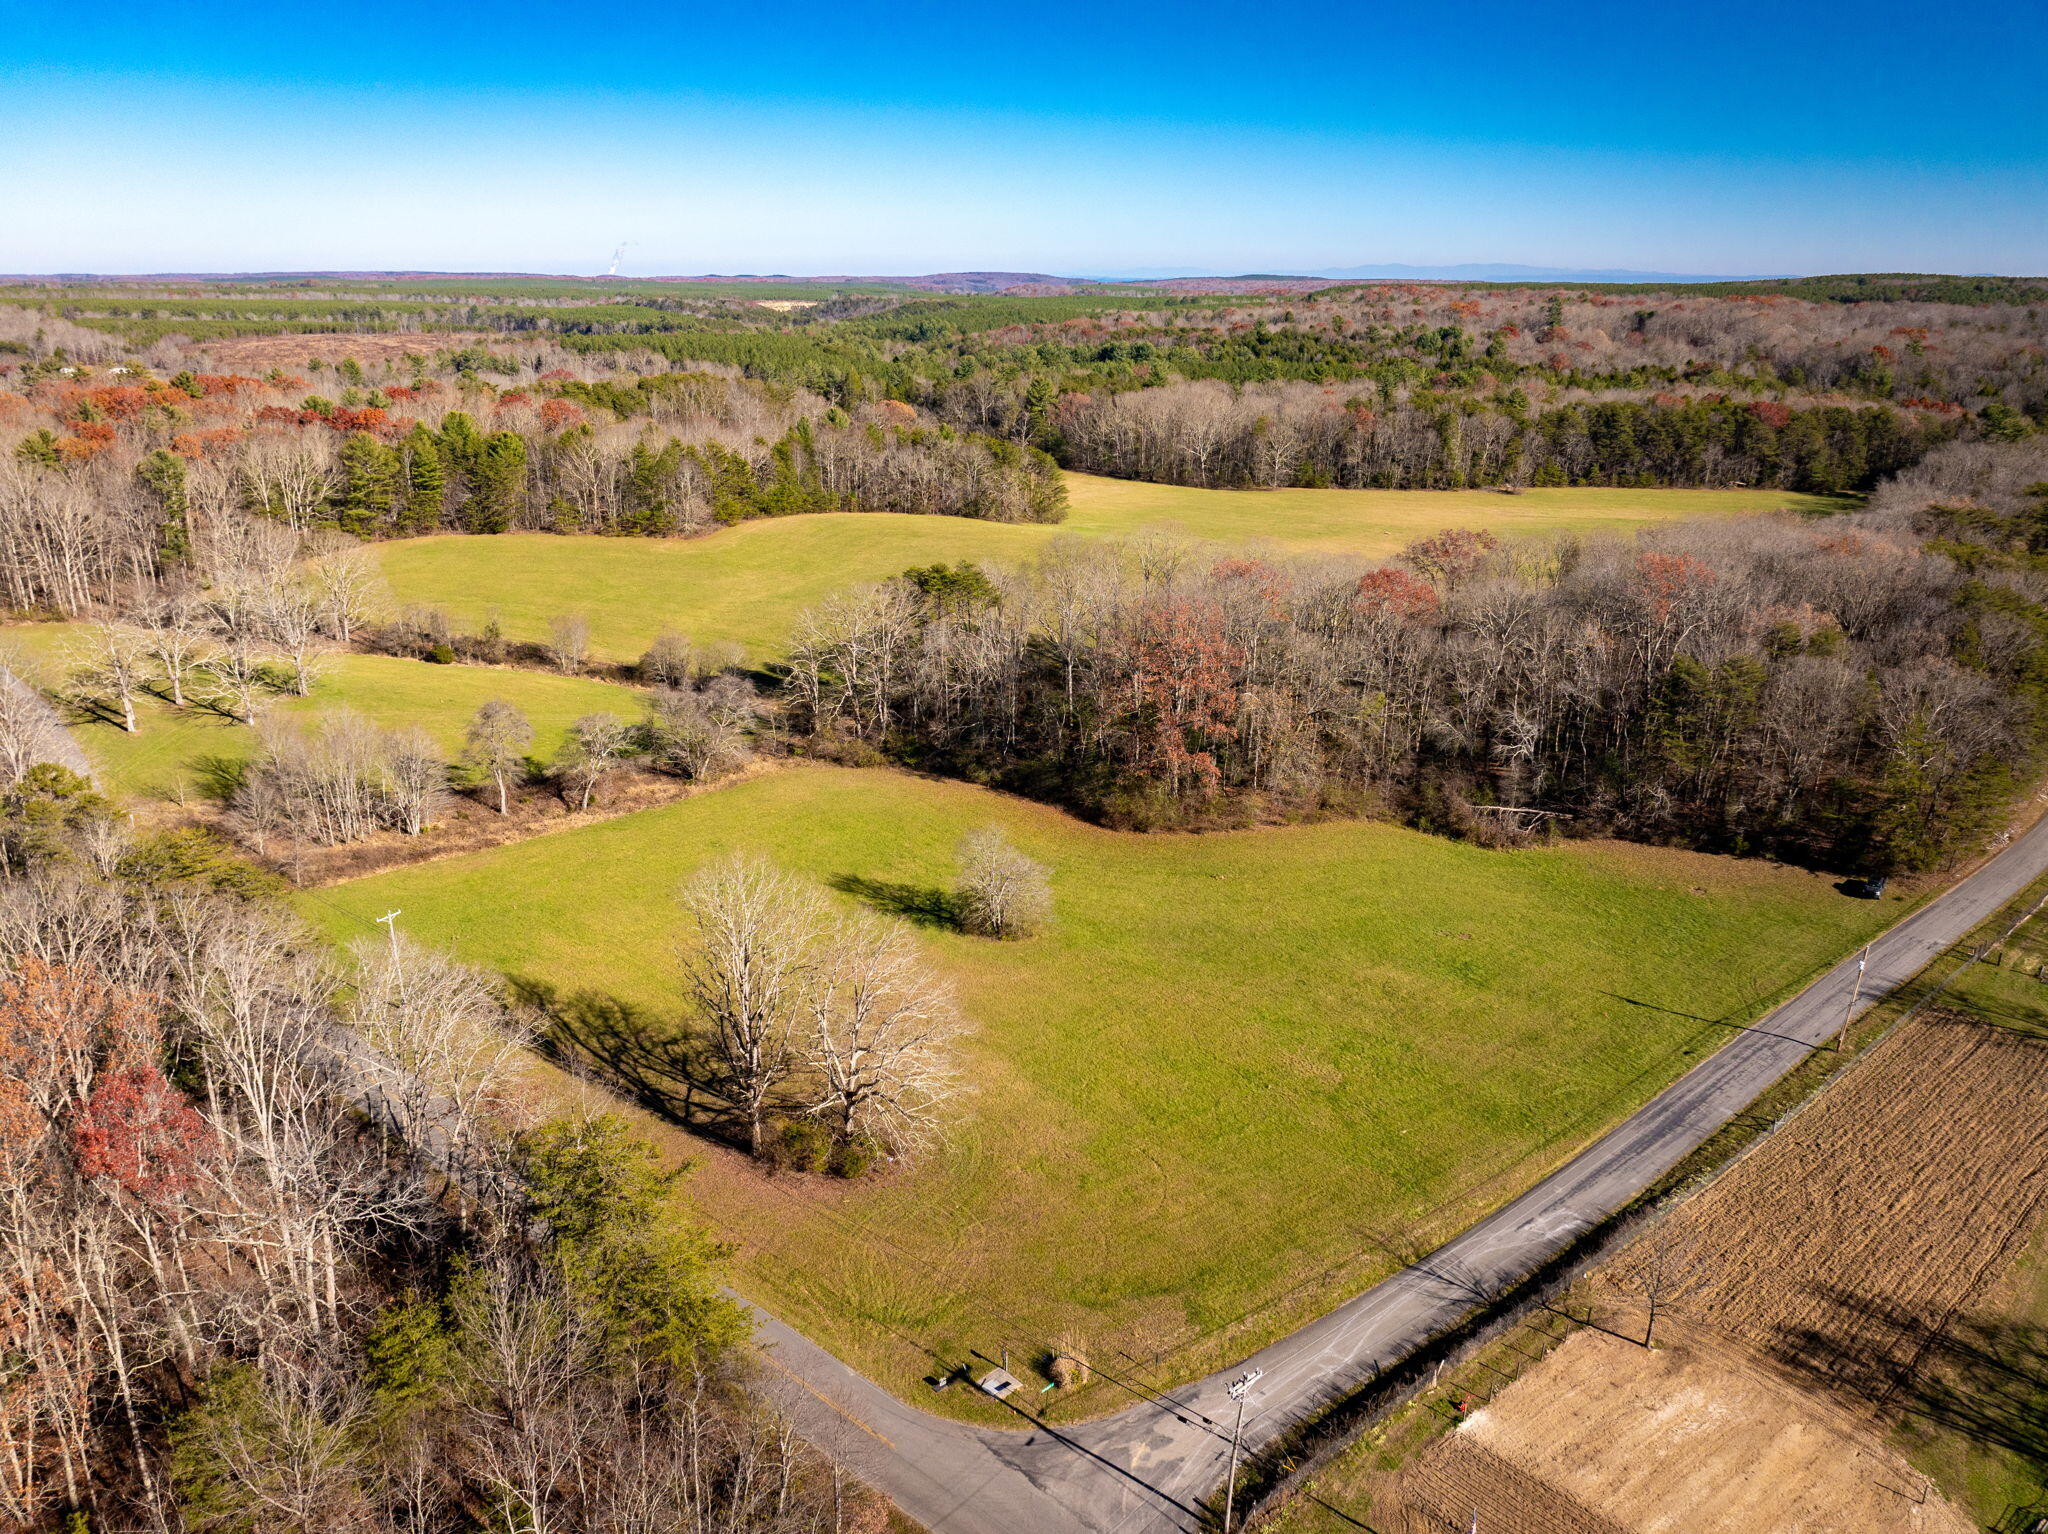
x=219, y=777
x=914, y=903
x=2027, y=1019
x=647, y=1059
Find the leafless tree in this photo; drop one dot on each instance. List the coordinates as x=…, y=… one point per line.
x=340, y=778
x=446, y=1045
x=590, y=753
x=29, y=731
x=1001, y=892
x=883, y=1035
x=111, y=669
x=569, y=642
x=702, y=732
x=753, y=956
x=1661, y=1271
x=495, y=746
x=288, y=475
x=174, y=625
x=346, y=586
x=669, y=662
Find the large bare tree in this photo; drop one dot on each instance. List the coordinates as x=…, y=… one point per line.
x=750, y=963
x=883, y=1031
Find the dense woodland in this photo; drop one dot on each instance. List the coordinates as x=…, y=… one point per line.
x=1863, y=690
x=662, y=412
x=115, y=480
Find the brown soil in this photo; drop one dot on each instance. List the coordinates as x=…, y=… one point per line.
x=1847, y=1241
x=261, y=353
x=1457, y=1482
x=1611, y=1438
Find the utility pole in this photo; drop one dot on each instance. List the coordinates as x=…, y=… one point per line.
x=1239, y=1389
x=1855, y=995
x=389, y=922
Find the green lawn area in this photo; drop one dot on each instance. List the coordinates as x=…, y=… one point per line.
x=748, y=583
x=1238, y=1077
x=167, y=756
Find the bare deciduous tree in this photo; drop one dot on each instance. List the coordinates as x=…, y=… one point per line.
x=569, y=642
x=753, y=959
x=174, y=627
x=702, y=732
x=346, y=586
x=670, y=661
x=446, y=1045
x=1001, y=892
x=883, y=1031
x=495, y=746
x=590, y=753
x=111, y=670
x=29, y=732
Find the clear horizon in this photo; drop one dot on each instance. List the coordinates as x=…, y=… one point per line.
x=225, y=137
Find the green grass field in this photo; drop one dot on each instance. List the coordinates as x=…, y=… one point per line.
x=748, y=583
x=167, y=756
x=1240, y=1074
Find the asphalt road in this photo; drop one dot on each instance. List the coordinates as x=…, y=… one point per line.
x=1146, y=1467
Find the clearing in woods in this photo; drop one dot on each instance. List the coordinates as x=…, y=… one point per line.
x=1241, y=1070
x=177, y=753
x=256, y=354
x=747, y=583
x=1844, y=1305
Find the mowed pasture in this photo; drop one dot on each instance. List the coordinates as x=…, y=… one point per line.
x=1242, y=1076
x=747, y=584
x=178, y=752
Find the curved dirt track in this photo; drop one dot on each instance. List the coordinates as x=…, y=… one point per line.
x=1147, y=1467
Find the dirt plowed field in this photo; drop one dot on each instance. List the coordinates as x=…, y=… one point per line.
x=1845, y=1244
x=1457, y=1480
x=1685, y=1438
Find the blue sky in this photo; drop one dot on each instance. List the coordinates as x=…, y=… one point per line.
x=1735, y=138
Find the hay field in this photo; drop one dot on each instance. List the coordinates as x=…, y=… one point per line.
x=747, y=584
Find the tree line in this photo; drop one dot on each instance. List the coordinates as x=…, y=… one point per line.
x=1210, y=434
x=106, y=486
x=1858, y=690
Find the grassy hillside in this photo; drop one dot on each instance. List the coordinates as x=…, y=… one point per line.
x=1238, y=1076
x=749, y=582
x=746, y=583
x=1379, y=522
x=170, y=754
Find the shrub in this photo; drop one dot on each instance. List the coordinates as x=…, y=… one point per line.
x=804, y=1145
x=856, y=1158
